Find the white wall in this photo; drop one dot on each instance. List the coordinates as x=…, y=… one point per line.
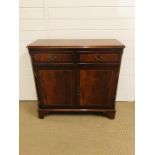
x=77, y=19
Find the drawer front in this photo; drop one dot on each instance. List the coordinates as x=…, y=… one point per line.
x=99, y=57
x=67, y=57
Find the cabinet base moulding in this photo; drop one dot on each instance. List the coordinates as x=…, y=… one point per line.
x=110, y=113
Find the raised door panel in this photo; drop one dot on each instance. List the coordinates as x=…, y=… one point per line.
x=98, y=87
x=56, y=86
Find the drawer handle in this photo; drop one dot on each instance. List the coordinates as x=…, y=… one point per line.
x=53, y=57
x=98, y=57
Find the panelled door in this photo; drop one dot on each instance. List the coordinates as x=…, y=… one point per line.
x=56, y=86
x=97, y=86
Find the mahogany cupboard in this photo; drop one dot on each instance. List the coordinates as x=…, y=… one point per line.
x=76, y=75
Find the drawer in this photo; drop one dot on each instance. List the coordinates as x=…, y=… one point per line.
x=58, y=57
x=99, y=57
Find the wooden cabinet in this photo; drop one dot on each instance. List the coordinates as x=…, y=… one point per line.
x=76, y=75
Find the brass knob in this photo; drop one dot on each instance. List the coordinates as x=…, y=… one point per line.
x=53, y=57
x=98, y=57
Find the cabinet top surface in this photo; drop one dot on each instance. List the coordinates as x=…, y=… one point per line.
x=76, y=43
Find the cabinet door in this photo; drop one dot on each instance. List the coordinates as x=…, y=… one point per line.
x=98, y=86
x=56, y=86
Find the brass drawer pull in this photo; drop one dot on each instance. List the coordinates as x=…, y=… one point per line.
x=53, y=57
x=98, y=57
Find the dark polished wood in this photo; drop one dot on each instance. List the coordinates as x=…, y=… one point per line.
x=53, y=57
x=76, y=75
x=75, y=43
x=57, y=86
x=99, y=57
x=96, y=86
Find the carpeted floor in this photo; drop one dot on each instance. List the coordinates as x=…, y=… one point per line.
x=76, y=134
